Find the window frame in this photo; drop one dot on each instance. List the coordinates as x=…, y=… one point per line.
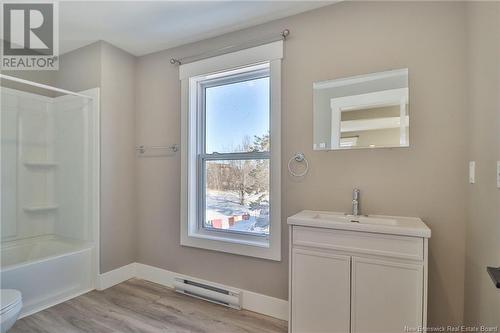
x=261, y=61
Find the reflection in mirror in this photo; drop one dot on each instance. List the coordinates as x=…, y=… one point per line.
x=366, y=111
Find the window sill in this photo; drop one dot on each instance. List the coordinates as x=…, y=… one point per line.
x=228, y=238
x=253, y=248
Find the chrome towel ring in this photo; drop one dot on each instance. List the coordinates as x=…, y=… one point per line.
x=299, y=158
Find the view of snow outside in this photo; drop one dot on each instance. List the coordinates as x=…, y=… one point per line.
x=237, y=195
x=224, y=211
x=237, y=191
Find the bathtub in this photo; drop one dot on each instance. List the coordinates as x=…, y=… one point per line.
x=47, y=270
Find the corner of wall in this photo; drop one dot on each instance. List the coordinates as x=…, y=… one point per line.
x=119, y=221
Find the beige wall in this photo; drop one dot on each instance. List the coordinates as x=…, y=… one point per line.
x=482, y=304
x=426, y=180
x=118, y=168
x=80, y=69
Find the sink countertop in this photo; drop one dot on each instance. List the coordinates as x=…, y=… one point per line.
x=393, y=225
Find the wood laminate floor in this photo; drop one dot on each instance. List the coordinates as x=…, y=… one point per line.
x=142, y=306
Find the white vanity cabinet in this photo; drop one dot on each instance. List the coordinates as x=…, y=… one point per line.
x=367, y=276
x=312, y=307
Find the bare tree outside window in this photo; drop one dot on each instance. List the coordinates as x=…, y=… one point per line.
x=238, y=191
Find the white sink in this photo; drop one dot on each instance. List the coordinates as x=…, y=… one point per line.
x=397, y=225
x=363, y=219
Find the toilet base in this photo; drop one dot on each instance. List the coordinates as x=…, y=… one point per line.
x=9, y=318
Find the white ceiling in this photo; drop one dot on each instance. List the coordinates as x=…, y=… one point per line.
x=142, y=27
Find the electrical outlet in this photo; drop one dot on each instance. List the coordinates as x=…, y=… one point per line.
x=472, y=172
x=498, y=174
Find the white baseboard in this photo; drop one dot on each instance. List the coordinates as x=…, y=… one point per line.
x=270, y=306
x=116, y=276
x=156, y=275
x=263, y=304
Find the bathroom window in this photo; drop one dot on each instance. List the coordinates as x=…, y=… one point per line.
x=234, y=154
x=231, y=167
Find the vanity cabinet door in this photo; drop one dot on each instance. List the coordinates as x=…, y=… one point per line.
x=386, y=296
x=320, y=289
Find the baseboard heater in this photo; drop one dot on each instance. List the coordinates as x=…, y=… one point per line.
x=211, y=293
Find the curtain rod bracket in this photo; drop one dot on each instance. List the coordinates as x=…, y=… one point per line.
x=285, y=33
x=174, y=61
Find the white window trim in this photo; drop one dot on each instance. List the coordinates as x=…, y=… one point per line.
x=190, y=74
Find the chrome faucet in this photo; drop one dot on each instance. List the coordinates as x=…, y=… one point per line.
x=355, y=202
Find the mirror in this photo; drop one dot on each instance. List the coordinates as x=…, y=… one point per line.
x=365, y=111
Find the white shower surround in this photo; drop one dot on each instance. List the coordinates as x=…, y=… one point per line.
x=51, y=251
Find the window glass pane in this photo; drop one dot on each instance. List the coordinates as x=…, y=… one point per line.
x=235, y=114
x=237, y=195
